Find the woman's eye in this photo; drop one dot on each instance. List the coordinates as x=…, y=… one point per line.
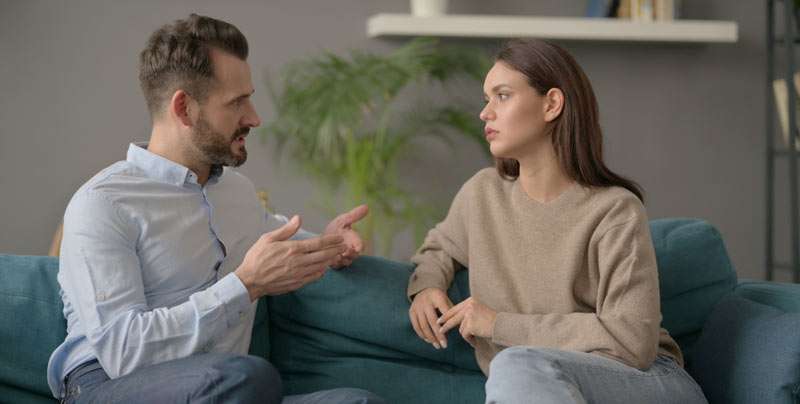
x=502, y=96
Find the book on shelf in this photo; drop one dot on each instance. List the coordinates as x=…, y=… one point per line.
x=779, y=88
x=644, y=10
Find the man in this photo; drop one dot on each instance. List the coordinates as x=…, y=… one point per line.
x=165, y=254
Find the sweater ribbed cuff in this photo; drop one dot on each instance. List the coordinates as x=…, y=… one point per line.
x=510, y=329
x=420, y=281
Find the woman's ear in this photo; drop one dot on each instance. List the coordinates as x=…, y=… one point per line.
x=553, y=104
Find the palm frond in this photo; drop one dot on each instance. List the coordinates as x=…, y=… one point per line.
x=337, y=117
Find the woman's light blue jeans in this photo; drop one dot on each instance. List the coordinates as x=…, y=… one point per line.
x=533, y=375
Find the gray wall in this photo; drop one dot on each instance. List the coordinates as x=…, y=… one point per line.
x=686, y=121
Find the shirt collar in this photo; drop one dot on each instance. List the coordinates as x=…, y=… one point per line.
x=163, y=169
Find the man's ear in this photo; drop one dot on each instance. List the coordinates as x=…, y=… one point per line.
x=553, y=104
x=182, y=107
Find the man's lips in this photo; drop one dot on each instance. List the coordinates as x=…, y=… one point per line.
x=239, y=137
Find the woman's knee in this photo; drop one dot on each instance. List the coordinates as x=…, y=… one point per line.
x=522, y=359
x=518, y=373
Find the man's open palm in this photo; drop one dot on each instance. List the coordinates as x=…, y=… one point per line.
x=343, y=226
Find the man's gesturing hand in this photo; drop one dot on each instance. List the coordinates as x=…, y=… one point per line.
x=343, y=225
x=275, y=265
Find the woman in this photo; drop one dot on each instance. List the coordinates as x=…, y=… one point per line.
x=565, y=301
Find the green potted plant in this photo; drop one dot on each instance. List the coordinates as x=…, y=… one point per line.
x=341, y=123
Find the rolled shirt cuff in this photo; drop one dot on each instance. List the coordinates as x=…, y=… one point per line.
x=234, y=297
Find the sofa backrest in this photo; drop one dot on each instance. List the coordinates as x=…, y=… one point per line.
x=351, y=328
x=694, y=273
x=31, y=325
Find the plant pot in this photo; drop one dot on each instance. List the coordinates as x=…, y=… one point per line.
x=428, y=8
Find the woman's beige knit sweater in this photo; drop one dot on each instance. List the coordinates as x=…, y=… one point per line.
x=577, y=273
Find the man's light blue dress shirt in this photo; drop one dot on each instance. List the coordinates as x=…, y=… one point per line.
x=146, y=266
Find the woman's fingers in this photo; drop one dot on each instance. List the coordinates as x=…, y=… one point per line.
x=463, y=329
x=441, y=340
x=412, y=315
x=456, y=317
x=427, y=332
x=442, y=303
x=437, y=337
x=452, y=311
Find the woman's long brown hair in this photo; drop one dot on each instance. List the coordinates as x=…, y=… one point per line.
x=576, y=134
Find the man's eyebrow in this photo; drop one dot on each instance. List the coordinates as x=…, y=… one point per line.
x=241, y=96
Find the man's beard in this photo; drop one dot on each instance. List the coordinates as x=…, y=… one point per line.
x=215, y=147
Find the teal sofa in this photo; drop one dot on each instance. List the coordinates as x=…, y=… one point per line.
x=741, y=338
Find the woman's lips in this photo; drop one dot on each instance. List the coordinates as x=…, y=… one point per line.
x=490, y=134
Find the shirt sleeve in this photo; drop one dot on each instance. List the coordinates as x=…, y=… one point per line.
x=627, y=319
x=274, y=222
x=444, y=246
x=101, y=275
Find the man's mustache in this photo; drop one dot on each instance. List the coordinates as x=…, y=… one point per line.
x=242, y=131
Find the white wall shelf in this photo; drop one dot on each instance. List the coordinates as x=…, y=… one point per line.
x=579, y=29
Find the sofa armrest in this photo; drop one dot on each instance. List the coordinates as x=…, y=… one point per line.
x=784, y=296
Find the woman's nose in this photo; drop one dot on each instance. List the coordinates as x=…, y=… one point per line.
x=486, y=114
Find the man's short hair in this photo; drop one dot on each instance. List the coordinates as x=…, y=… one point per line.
x=177, y=56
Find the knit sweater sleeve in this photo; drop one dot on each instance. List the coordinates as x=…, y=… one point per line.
x=626, y=321
x=445, y=246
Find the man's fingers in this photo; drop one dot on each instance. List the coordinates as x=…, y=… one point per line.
x=319, y=243
x=286, y=231
x=314, y=276
x=337, y=262
x=325, y=256
x=347, y=219
x=341, y=262
x=356, y=247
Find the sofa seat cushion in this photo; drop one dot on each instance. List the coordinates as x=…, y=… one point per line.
x=748, y=352
x=351, y=328
x=33, y=325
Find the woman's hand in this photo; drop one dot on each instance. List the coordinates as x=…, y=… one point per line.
x=424, y=318
x=476, y=319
